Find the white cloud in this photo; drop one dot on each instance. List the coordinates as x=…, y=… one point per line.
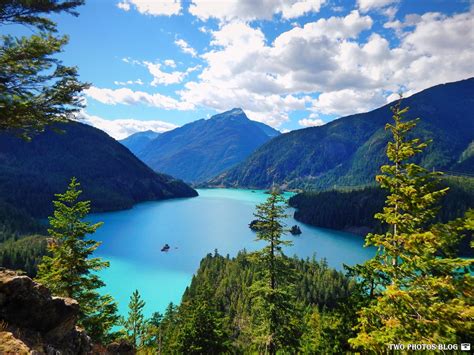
x=270, y=109
x=126, y=96
x=348, y=101
x=170, y=63
x=368, y=5
x=248, y=10
x=243, y=71
x=185, y=47
x=152, y=7
x=129, y=82
x=131, y=61
x=123, y=5
x=311, y=121
x=122, y=128
x=335, y=58
x=328, y=56
x=161, y=77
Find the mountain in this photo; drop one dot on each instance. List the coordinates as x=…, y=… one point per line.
x=137, y=141
x=202, y=149
x=110, y=175
x=349, y=151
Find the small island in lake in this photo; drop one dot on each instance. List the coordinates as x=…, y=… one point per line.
x=295, y=230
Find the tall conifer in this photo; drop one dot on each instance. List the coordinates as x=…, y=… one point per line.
x=70, y=271
x=274, y=324
x=135, y=324
x=420, y=292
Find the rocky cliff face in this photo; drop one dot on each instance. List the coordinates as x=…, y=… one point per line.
x=33, y=321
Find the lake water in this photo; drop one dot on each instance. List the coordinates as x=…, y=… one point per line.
x=193, y=227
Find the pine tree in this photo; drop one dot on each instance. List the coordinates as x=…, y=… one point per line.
x=420, y=292
x=153, y=338
x=274, y=323
x=201, y=330
x=70, y=271
x=135, y=324
x=36, y=89
x=168, y=326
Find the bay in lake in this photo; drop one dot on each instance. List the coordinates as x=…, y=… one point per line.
x=193, y=227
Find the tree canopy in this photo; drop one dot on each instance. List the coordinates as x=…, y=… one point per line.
x=70, y=270
x=420, y=291
x=36, y=88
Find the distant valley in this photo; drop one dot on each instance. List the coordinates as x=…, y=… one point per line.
x=137, y=141
x=202, y=149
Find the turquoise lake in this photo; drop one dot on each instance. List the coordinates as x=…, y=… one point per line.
x=193, y=227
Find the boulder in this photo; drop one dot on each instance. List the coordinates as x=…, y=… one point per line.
x=31, y=317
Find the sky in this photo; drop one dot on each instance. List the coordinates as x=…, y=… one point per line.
x=159, y=64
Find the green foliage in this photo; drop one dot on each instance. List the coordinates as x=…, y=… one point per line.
x=36, y=89
x=112, y=177
x=349, y=210
x=200, y=329
x=15, y=222
x=227, y=284
x=23, y=254
x=217, y=312
x=21, y=246
x=325, y=332
x=168, y=328
x=70, y=271
x=353, y=210
x=135, y=325
x=153, y=333
x=420, y=292
x=31, y=13
x=274, y=312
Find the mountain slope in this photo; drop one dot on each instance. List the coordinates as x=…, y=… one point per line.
x=349, y=151
x=110, y=175
x=202, y=149
x=137, y=141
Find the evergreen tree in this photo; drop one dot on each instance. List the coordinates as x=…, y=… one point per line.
x=201, y=330
x=420, y=292
x=36, y=89
x=135, y=324
x=153, y=338
x=70, y=271
x=168, y=326
x=274, y=308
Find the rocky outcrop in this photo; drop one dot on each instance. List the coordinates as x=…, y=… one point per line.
x=33, y=321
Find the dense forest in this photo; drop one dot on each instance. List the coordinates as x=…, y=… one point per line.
x=113, y=178
x=415, y=290
x=217, y=309
x=22, y=239
x=353, y=210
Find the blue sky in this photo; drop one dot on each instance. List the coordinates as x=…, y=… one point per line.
x=156, y=64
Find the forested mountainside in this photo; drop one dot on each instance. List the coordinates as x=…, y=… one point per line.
x=111, y=177
x=349, y=151
x=353, y=210
x=217, y=308
x=202, y=149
